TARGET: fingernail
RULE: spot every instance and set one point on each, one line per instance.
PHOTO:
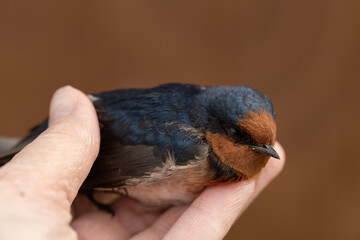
(63, 103)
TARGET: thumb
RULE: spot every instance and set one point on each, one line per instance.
(58, 161)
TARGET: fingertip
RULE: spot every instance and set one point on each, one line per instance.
(63, 103)
(272, 169)
(280, 150)
(276, 165)
(70, 106)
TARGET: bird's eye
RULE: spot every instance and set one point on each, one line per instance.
(242, 137)
(232, 131)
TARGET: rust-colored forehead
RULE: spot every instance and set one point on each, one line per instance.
(260, 125)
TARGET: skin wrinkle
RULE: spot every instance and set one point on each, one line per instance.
(241, 195)
(160, 225)
(190, 231)
(80, 139)
(71, 140)
(204, 210)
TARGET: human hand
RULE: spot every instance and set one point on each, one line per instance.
(40, 184)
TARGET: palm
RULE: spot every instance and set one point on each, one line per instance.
(131, 220)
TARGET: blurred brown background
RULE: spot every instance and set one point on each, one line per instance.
(303, 54)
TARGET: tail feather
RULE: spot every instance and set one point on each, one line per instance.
(5, 157)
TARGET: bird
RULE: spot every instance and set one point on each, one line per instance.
(164, 145)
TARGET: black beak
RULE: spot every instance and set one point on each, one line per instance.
(266, 149)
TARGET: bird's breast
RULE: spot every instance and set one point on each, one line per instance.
(181, 185)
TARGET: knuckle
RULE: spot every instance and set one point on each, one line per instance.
(57, 190)
(73, 133)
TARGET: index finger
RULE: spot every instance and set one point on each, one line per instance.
(212, 214)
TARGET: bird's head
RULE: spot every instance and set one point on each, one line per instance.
(241, 128)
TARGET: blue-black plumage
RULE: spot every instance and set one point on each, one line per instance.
(182, 134)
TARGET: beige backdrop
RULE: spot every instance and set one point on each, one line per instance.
(303, 54)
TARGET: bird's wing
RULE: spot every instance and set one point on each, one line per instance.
(141, 136)
(118, 165)
(122, 162)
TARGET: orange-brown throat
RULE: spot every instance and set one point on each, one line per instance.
(262, 128)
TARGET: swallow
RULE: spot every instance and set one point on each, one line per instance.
(164, 145)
